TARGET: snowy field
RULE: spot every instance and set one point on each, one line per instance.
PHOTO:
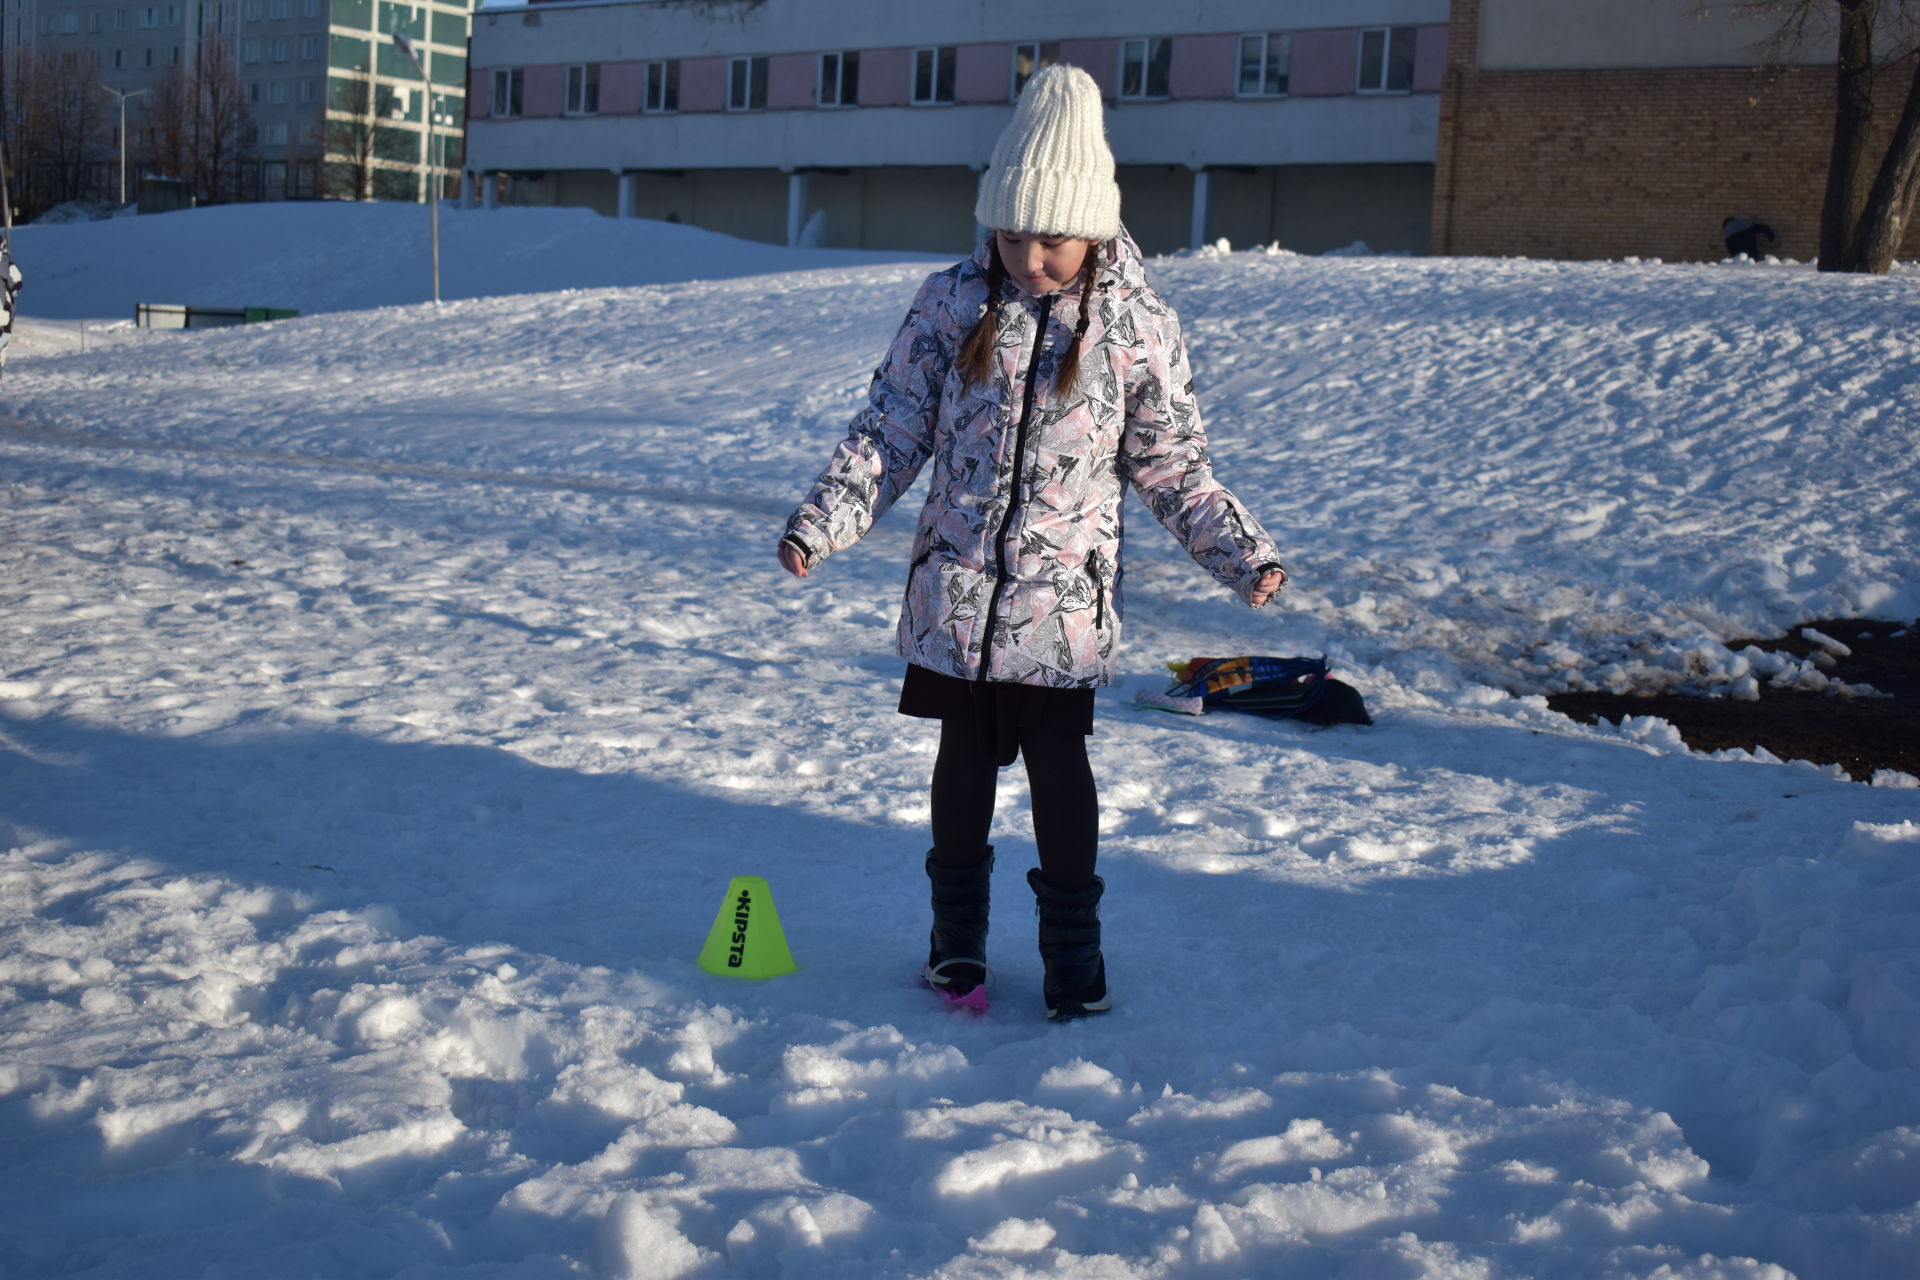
(388, 695)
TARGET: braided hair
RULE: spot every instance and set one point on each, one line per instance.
(975, 360)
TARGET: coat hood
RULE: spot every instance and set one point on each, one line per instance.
(1121, 263)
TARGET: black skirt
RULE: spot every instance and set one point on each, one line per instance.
(1000, 714)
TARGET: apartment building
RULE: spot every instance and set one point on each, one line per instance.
(331, 105)
(865, 123)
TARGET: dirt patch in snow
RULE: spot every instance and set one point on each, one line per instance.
(1860, 734)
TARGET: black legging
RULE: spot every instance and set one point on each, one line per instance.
(1066, 805)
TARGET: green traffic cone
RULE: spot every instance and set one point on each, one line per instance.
(746, 940)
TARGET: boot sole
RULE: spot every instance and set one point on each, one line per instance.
(975, 999)
(1070, 1009)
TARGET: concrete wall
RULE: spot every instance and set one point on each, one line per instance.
(1385, 129)
(1314, 208)
(1573, 35)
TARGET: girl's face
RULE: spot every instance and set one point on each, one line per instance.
(1041, 264)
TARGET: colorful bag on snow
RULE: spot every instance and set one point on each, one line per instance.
(1279, 688)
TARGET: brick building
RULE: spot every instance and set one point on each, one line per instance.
(865, 123)
(1569, 130)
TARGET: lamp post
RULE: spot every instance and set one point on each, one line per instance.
(406, 46)
(122, 97)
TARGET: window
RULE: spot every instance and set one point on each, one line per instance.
(663, 86)
(506, 92)
(932, 76)
(250, 51)
(253, 93)
(146, 57)
(69, 23)
(839, 79)
(309, 48)
(1264, 63)
(276, 135)
(119, 59)
(404, 19)
(1386, 60)
(255, 10)
(97, 21)
(1145, 66)
(1029, 58)
(278, 49)
(310, 8)
(279, 92)
(309, 91)
(583, 89)
(746, 84)
(281, 8)
(173, 15)
(122, 19)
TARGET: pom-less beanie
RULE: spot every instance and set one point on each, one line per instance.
(1052, 172)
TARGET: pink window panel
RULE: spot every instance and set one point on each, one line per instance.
(793, 81)
(982, 73)
(1324, 62)
(623, 86)
(883, 77)
(543, 91)
(1429, 59)
(1098, 58)
(1203, 66)
(703, 84)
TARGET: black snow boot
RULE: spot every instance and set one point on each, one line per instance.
(957, 946)
(1076, 983)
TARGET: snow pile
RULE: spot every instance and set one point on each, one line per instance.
(389, 696)
(345, 256)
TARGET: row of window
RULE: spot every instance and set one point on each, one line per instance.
(408, 19)
(258, 10)
(1385, 64)
(281, 92)
(142, 58)
(275, 135)
(150, 17)
(281, 49)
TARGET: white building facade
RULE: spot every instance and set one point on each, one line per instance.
(865, 123)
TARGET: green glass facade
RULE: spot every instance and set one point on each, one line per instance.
(376, 104)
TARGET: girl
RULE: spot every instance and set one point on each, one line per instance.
(1038, 376)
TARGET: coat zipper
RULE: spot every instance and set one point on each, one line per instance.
(1099, 592)
(1013, 491)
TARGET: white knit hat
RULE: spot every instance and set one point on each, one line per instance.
(1052, 173)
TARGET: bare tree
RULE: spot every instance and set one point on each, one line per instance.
(351, 116)
(23, 124)
(1869, 196)
(222, 123)
(64, 115)
(170, 117)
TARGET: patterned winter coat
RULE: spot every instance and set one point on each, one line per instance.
(1018, 547)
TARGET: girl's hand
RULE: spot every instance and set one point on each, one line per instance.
(1267, 588)
(792, 561)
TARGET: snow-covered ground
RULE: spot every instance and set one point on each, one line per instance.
(388, 695)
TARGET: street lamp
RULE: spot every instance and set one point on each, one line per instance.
(406, 46)
(122, 98)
